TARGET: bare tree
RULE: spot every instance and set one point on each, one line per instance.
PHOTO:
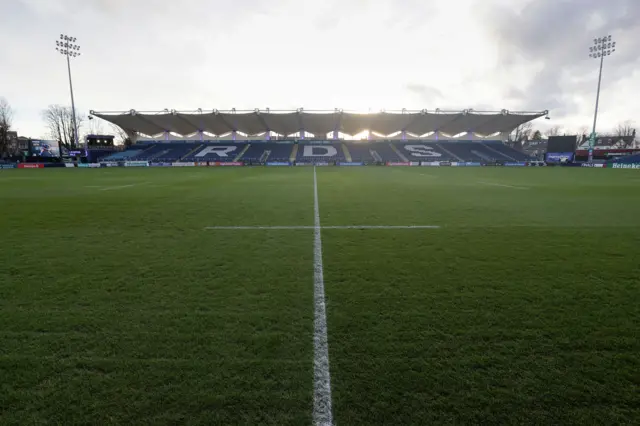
(552, 131)
(625, 129)
(95, 127)
(625, 134)
(59, 120)
(583, 134)
(522, 132)
(121, 135)
(6, 120)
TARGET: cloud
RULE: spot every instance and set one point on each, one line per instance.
(553, 37)
(426, 94)
(351, 54)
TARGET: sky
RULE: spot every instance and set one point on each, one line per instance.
(323, 54)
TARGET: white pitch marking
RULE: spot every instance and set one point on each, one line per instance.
(109, 188)
(258, 227)
(503, 185)
(248, 228)
(382, 227)
(321, 377)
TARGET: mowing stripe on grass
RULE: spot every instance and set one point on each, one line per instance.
(321, 376)
(503, 185)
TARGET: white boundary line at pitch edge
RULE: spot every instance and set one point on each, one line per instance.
(322, 415)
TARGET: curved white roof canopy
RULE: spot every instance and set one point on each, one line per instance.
(319, 123)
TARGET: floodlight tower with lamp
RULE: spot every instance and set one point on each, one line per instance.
(67, 46)
(602, 46)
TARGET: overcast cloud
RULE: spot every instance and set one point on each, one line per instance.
(322, 54)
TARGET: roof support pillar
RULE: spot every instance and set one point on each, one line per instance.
(338, 125)
(267, 133)
(403, 135)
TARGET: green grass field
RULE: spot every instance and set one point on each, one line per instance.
(117, 306)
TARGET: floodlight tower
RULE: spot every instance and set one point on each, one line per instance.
(602, 46)
(67, 47)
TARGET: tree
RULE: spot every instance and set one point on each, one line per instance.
(59, 120)
(6, 120)
(625, 129)
(583, 134)
(537, 135)
(552, 131)
(95, 127)
(522, 132)
(625, 134)
(121, 136)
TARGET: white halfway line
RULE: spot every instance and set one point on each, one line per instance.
(109, 188)
(503, 185)
(248, 228)
(117, 187)
(322, 415)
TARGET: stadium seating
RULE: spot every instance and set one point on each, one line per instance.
(507, 152)
(372, 152)
(468, 151)
(459, 151)
(628, 159)
(533, 149)
(308, 152)
(359, 151)
(124, 155)
(222, 152)
(165, 152)
(423, 151)
(260, 152)
(316, 152)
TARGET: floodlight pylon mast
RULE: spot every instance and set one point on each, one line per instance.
(67, 47)
(602, 46)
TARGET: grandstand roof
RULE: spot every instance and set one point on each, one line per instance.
(319, 122)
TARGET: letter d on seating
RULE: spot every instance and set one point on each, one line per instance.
(319, 151)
